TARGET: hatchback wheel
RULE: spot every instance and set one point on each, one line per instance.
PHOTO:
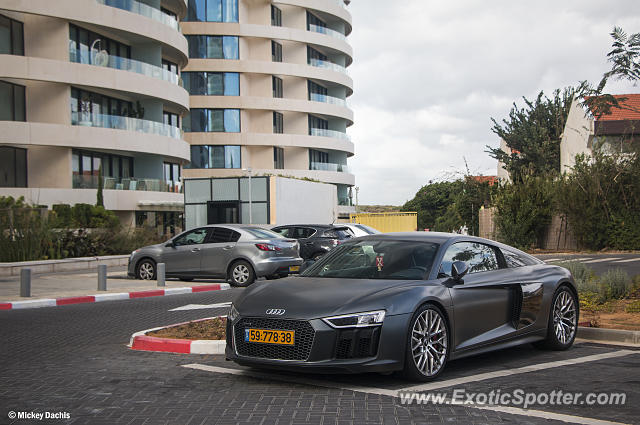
(146, 270)
(563, 321)
(241, 274)
(427, 348)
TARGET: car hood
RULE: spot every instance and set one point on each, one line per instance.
(312, 298)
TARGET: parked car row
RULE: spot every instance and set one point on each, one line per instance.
(240, 253)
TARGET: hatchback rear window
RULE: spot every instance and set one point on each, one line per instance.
(342, 233)
(260, 233)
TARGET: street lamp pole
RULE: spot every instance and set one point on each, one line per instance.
(250, 197)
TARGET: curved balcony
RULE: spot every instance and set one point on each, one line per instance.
(327, 31)
(316, 97)
(125, 64)
(322, 132)
(144, 10)
(125, 123)
(318, 63)
(82, 181)
(328, 166)
(336, 8)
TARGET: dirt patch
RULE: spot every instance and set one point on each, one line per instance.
(617, 314)
(204, 329)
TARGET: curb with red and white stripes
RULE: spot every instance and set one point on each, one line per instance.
(54, 302)
(140, 341)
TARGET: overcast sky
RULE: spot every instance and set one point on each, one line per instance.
(429, 75)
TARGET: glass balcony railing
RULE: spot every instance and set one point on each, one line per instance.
(316, 97)
(82, 181)
(329, 133)
(328, 166)
(327, 31)
(318, 63)
(125, 123)
(117, 62)
(144, 10)
(345, 202)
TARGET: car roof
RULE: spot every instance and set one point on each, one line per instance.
(317, 226)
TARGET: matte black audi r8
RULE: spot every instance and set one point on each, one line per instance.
(403, 301)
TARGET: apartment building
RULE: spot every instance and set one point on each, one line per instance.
(268, 85)
(89, 88)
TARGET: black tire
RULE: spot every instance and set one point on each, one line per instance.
(241, 274)
(146, 269)
(435, 344)
(186, 279)
(560, 341)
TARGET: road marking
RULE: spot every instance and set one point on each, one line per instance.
(549, 260)
(201, 306)
(602, 260)
(628, 260)
(394, 393)
(531, 368)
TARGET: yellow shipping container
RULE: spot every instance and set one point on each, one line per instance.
(388, 222)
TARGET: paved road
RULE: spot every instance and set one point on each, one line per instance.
(600, 263)
(74, 359)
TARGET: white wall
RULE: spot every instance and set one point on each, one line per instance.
(575, 137)
(299, 201)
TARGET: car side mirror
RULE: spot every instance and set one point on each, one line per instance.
(458, 270)
(170, 244)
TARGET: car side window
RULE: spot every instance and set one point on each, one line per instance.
(479, 257)
(514, 259)
(193, 237)
(222, 235)
(302, 232)
(284, 231)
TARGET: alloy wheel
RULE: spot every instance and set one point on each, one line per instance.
(240, 273)
(146, 271)
(429, 342)
(564, 317)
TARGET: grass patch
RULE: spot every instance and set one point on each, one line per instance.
(214, 329)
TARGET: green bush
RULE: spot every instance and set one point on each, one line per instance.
(82, 214)
(61, 216)
(583, 276)
(616, 284)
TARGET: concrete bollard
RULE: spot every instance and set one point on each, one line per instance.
(161, 275)
(102, 277)
(25, 282)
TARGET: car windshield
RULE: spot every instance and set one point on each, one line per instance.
(261, 233)
(367, 229)
(376, 259)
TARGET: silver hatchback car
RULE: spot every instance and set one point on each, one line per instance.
(238, 253)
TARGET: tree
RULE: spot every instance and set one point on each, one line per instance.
(100, 199)
(431, 202)
(533, 134)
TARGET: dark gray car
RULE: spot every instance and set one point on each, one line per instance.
(238, 253)
(315, 239)
(403, 301)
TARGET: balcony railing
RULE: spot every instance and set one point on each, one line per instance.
(125, 123)
(345, 202)
(82, 181)
(327, 31)
(144, 10)
(316, 97)
(318, 63)
(329, 133)
(117, 62)
(328, 166)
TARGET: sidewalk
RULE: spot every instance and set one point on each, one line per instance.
(62, 285)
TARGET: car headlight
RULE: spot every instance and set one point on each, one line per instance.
(233, 313)
(356, 320)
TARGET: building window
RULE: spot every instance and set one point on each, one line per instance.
(278, 158)
(12, 102)
(277, 86)
(171, 174)
(96, 108)
(81, 42)
(212, 120)
(317, 123)
(276, 51)
(208, 156)
(212, 11)
(169, 118)
(278, 123)
(11, 37)
(276, 16)
(85, 168)
(316, 91)
(314, 20)
(316, 157)
(213, 47)
(13, 167)
(212, 83)
(170, 67)
(314, 55)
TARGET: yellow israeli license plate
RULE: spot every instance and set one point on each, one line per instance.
(269, 336)
(294, 268)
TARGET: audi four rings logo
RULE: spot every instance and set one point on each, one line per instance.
(276, 311)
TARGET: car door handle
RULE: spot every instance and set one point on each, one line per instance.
(195, 249)
(228, 247)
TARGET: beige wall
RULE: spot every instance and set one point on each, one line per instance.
(577, 133)
(48, 102)
(46, 37)
(49, 167)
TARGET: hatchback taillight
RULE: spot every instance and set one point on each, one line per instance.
(267, 247)
(336, 242)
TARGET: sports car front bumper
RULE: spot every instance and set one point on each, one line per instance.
(320, 348)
